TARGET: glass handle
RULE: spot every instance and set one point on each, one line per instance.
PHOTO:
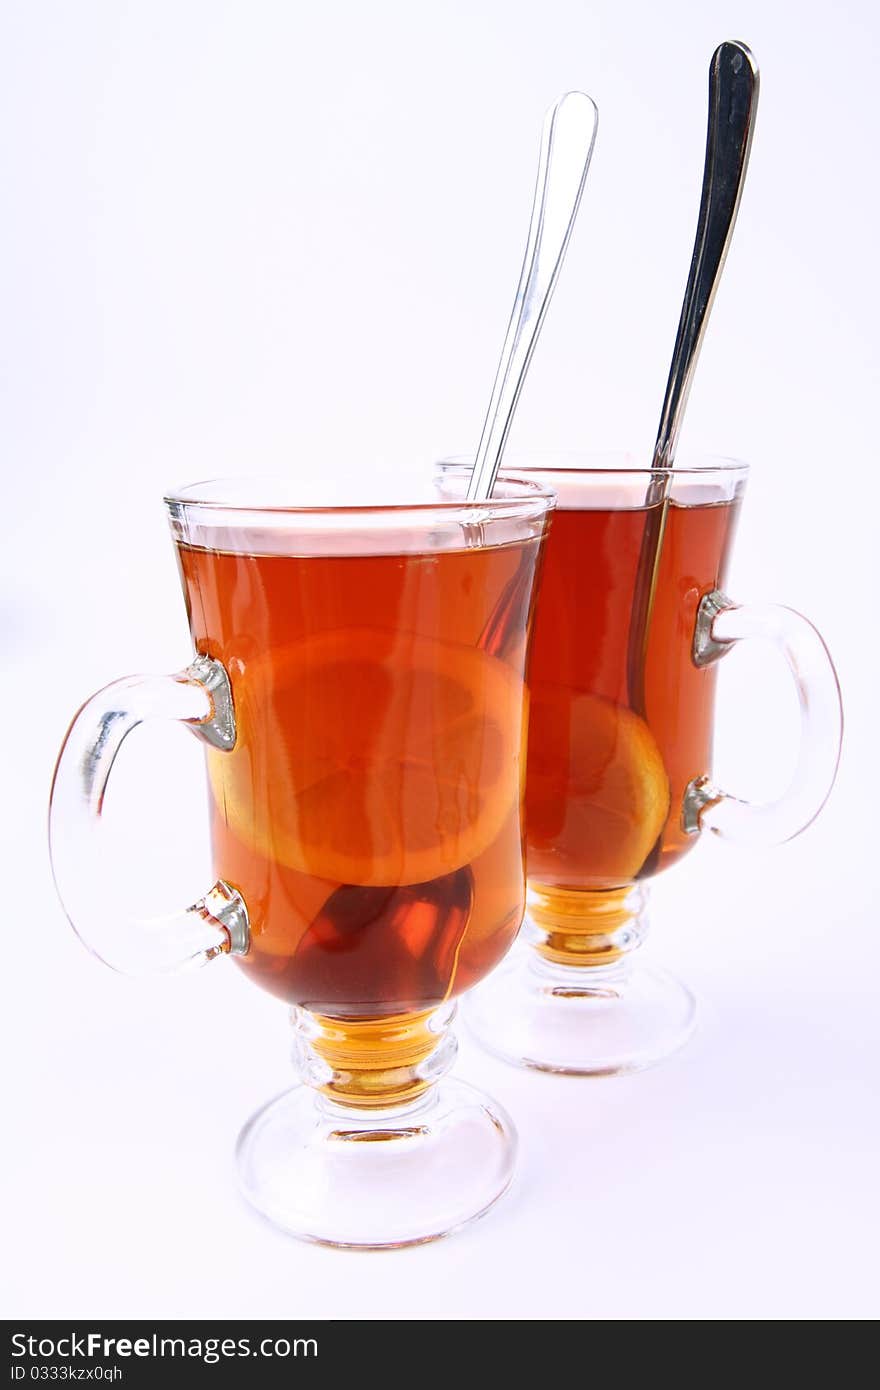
(721, 623)
(200, 697)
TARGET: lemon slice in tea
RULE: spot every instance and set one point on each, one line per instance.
(371, 757)
(598, 793)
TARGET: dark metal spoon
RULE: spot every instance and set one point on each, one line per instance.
(733, 100)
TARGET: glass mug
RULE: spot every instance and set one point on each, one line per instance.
(359, 685)
(619, 783)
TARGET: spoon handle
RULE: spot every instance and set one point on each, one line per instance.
(567, 140)
(733, 98)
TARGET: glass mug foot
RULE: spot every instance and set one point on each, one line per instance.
(375, 1176)
(378, 1180)
(572, 1000)
(581, 1021)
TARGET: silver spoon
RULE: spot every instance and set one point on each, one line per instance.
(567, 140)
(733, 100)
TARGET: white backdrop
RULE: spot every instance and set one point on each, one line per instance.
(267, 236)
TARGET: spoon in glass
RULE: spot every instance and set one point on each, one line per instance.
(566, 147)
(567, 140)
(733, 100)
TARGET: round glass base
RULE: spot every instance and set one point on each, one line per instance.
(582, 1021)
(376, 1179)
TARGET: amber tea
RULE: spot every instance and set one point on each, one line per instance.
(370, 811)
(606, 783)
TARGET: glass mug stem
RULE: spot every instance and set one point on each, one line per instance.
(374, 1064)
(595, 929)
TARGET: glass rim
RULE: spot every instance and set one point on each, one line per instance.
(616, 462)
(527, 494)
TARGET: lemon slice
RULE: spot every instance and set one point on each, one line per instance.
(597, 792)
(372, 757)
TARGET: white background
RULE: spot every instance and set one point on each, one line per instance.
(276, 237)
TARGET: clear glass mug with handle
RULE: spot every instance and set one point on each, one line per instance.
(365, 749)
(619, 782)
